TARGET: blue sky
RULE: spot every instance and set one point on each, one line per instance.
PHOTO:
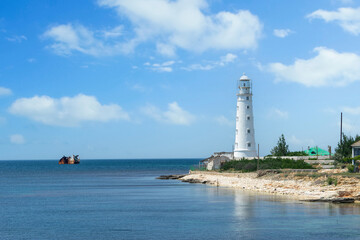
(157, 78)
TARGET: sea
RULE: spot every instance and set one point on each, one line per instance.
(122, 199)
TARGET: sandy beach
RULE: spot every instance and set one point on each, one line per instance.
(302, 186)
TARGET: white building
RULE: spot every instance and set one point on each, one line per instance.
(356, 149)
(245, 133)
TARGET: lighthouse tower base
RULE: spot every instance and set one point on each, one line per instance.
(244, 154)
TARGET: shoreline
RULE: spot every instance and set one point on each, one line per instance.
(312, 187)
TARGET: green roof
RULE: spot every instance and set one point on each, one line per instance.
(314, 151)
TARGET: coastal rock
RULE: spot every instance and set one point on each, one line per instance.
(167, 177)
(303, 186)
(194, 180)
(332, 200)
(344, 193)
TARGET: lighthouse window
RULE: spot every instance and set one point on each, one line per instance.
(249, 144)
(248, 117)
(247, 98)
(248, 107)
(248, 131)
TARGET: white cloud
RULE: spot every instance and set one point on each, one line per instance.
(330, 110)
(5, 91)
(228, 58)
(66, 111)
(17, 139)
(18, 39)
(174, 114)
(165, 49)
(344, 1)
(294, 140)
(351, 126)
(281, 33)
(352, 110)
(161, 67)
(278, 114)
(183, 24)
(347, 18)
(169, 24)
(328, 67)
(197, 66)
(69, 38)
(222, 120)
(298, 143)
(140, 88)
(114, 32)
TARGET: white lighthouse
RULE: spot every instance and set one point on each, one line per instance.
(245, 133)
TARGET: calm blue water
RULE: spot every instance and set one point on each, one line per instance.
(121, 199)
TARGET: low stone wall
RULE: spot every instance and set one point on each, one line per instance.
(237, 174)
(320, 161)
(319, 158)
(214, 162)
(215, 173)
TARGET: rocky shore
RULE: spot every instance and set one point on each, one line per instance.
(324, 185)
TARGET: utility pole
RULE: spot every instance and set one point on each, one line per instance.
(258, 157)
(341, 146)
(341, 129)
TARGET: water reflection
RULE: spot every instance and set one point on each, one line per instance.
(259, 216)
(246, 202)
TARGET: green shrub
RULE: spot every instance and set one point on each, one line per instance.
(315, 175)
(241, 165)
(196, 168)
(297, 154)
(344, 160)
(350, 168)
(267, 163)
(331, 181)
(281, 149)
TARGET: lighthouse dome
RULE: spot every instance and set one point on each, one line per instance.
(244, 77)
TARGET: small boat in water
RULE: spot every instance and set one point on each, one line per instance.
(70, 160)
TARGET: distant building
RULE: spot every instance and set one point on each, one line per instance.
(316, 151)
(355, 149)
(245, 132)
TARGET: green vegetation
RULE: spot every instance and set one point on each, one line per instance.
(267, 163)
(350, 168)
(343, 149)
(315, 175)
(296, 154)
(348, 175)
(344, 160)
(331, 181)
(196, 168)
(281, 149)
